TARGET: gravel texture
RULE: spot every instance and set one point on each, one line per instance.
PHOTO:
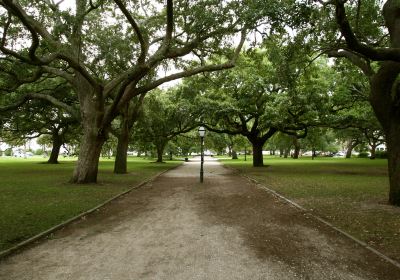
(177, 228)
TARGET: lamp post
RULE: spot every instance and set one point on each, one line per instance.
(202, 132)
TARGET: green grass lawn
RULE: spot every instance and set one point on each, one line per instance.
(36, 196)
(350, 193)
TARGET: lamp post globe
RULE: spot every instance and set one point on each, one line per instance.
(202, 131)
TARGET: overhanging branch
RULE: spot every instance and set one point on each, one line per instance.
(379, 54)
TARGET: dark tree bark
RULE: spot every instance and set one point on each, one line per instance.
(55, 150)
(95, 134)
(160, 151)
(287, 152)
(281, 151)
(87, 166)
(234, 154)
(349, 151)
(258, 159)
(383, 85)
(129, 116)
(351, 144)
(393, 148)
(121, 157)
(297, 147)
(372, 150)
(229, 150)
(314, 154)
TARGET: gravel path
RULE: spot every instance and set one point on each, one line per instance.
(177, 228)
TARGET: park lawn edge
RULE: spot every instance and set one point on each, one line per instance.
(310, 214)
(40, 236)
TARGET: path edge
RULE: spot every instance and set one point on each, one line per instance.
(20, 246)
(309, 213)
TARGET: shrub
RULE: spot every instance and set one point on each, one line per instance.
(8, 152)
(39, 152)
(363, 155)
(381, 154)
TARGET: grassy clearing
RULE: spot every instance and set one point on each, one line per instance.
(350, 193)
(36, 196)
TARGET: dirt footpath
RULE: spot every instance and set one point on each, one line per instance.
(176, 228)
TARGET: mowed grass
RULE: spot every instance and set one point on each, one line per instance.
(352, 194)
(35, 196)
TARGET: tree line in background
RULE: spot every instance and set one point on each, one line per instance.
(279, 76)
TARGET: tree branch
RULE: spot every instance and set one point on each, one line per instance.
(355, 59)
(59, 73)
(143, 43)
(379, 54)
(55, 102)
(170, 22)
(194, 71)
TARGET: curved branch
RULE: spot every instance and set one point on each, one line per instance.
(355, 59)
(15, 105)
(55, 102)
(379, 54)
(269, 134)
(197, 70)
(60, 73)
(143, 43)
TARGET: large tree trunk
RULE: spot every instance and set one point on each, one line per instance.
(55, 150)
(257, 154)
(95, 133)
(383, 88)
(129, 116)
(160, 151)
(121, 157)
(258, 143)
(393, 148)
(88, 161)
